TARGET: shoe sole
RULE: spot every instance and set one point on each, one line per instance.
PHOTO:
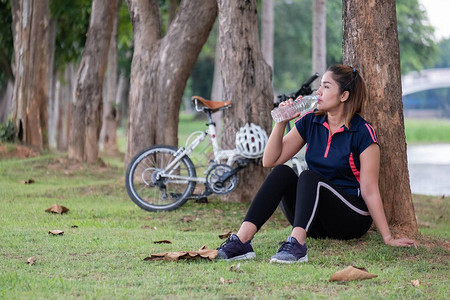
(300, 260)
(249, 255)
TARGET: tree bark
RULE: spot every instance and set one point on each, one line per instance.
(173, 5)
(30, 97)
(319, 47)
(161, 67)
(247, 84)
(111, 114)
(87, 106)
(51, 85)
(371, 45)
(63, 106)
(217, 90)
(121, 97)
(267, 31)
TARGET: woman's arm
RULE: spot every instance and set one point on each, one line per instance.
(280, 148)
(370, 166)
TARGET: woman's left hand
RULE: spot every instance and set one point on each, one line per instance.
(403, 242)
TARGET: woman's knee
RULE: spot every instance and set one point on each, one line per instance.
(283, 170)
(308, 176)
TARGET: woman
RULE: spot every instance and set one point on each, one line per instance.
(338, 197)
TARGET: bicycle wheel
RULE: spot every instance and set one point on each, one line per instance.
(155, 192)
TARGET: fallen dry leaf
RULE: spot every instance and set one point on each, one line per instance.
(415, 282)
(162, 242)
(31, 260)
(28, 181)
(224, 281)
(203, 253)
(187, 219)
(56, 232)
(225, 235)
(57, 209)
(237, 269)
(352, 273)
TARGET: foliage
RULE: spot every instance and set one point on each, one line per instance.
(7, 131)
(100, 255)
(6, 40)
(72, 24)
(416, 37)
(201, 79)
(124, 40)
(444, 49)
(292, 53)
(293, 44)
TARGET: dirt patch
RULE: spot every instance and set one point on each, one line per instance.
(69, 165)
(430, 243)
(17, 151)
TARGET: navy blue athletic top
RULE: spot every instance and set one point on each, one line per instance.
(336, 156)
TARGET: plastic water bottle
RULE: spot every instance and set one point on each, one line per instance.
(302, 105)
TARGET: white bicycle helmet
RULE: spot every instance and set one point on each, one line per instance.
(251, 141)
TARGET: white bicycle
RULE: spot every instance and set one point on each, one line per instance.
(163, 178)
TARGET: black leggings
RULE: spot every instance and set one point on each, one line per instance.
(318, 206)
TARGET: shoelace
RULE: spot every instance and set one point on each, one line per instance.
(224, 243)
(286, 246)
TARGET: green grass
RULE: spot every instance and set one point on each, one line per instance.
(427, 130)
(102, 257)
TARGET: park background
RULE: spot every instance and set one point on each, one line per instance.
(100, 255)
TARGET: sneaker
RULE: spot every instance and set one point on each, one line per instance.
(234, 249)
(291, 251)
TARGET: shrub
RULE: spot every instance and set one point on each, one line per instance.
(8, 131)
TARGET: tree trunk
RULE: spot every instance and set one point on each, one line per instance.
(267, 31)
(371, 45)
(6, 93)
(121, 98)
(64, 95)
(51, 84)
(111, 115)
(30, 95)
(217, 90)
(87, 108)
(247, 84)
(161, 67)
(173, 5)
(319, 47)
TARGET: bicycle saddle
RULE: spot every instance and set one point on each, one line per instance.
(212, 105)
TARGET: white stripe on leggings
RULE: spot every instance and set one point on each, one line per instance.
(320, 184)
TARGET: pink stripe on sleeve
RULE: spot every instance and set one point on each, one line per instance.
(372, 133)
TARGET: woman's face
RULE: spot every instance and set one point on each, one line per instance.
(329, 95)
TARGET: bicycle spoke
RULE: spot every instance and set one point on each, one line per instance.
(152, 189)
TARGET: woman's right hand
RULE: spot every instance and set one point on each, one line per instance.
(290, 101)
(402, 242)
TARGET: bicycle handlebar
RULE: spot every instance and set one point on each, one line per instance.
(305, 89)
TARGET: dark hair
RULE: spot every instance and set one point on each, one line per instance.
(349, 80)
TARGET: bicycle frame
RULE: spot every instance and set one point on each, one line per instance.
(219, 154)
